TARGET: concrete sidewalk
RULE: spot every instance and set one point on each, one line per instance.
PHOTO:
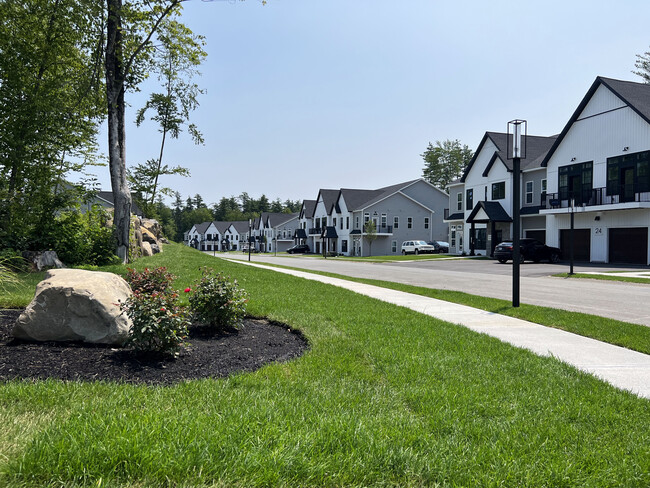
(623, 368)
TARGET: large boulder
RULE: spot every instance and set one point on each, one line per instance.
(76, 305)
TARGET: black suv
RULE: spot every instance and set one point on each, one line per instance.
(298, 249)
(530, 250)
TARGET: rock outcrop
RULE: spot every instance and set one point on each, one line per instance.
(76, 305)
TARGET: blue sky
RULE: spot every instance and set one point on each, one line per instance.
(309, 94)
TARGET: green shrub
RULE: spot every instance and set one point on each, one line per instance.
(82, 238)
(159, 323)
(150, 280)
(218, 301)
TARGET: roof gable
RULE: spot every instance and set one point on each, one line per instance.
(634, 95)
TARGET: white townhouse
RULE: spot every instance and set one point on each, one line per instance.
(305, 223)
(196, 236)
(481, 204)
(275, 228)
(404, 211)
(601, 163)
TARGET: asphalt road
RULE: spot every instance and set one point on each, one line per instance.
(623, 301)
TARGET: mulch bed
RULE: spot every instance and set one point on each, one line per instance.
(257, 343)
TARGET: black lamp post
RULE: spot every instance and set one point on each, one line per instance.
(250, 223)
(275, 246)
(517, 153)
(572, 210)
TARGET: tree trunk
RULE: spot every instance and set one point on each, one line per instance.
(116, 131)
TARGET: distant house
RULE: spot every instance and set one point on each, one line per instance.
(106, 200)
(599, 169)
(409, 210)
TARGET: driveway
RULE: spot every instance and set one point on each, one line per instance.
(617, 300)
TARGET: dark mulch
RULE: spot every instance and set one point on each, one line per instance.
(257, 343)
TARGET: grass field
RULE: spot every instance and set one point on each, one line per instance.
(612, 276)
(384, 397)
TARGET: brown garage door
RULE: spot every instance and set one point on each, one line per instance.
(581, 244)
(629, 245)
(540, 235)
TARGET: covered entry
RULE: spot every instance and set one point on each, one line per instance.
(581, 244)
(490, 213)
(628, 245)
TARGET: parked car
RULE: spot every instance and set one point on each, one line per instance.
(244, 248)
(298, 249)
(441, 246)
(530, 250)
(417, 247)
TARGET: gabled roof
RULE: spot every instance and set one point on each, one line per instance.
(107, 196)
(307, 210)
(356, 199)
(241, 226)
(202, 227)
(634, 95)
(273, 219)
(329, 199)
(536, 149)
(488, 212)
(222, 226)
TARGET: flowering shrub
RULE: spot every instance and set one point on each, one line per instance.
(150, 280)
(218, 301)
(159, 324)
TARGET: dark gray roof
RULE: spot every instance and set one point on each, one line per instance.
(329, 232)
(241, 226)
(536, 149)
(635, 95)
(300, 234)
(356, 199)
(221, 226)
(456, 216)
(329, 199)
(495, 212)
(202, 227)
(274, 219)
(308, 207)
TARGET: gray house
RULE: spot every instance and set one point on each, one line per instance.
(405, 211)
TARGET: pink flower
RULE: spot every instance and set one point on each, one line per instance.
(162, 309)
(187, 290)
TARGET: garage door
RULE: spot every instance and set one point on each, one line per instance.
(628, 245)
(540, 235)
(581, 244)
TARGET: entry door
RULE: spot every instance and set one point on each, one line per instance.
(627, 182)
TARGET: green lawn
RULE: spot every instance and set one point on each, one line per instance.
(624, 334)
(384, 397)
(608, 277)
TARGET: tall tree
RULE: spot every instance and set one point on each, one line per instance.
(176, 57)
(445, 162)
(50, 104)
(129, 32)
(643, 66)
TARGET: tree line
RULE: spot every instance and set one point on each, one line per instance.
(183, 213)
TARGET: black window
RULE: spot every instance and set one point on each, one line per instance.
(575, 181)
(469, 201)
(499, 190)
(628, 175)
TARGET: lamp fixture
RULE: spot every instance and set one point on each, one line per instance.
(626, 148)
(573, 159)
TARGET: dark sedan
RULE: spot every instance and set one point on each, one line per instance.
(298, 249)
(530, 250)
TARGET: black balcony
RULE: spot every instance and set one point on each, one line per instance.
(315, 231)
(594, 197)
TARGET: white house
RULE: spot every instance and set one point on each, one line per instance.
(601, 163)
(481, 203)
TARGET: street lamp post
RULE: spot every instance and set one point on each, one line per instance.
(275, 246)
(250, 223)
(517, 154)
(572, 210)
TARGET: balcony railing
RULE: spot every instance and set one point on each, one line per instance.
(315, 231)
(594, 197)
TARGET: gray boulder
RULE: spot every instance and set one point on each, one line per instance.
(76, 305)
(146, 249)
